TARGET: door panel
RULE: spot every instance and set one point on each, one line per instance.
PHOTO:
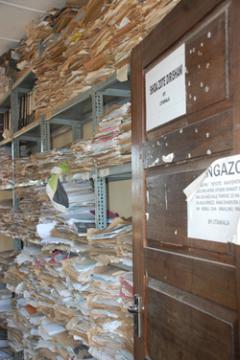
(190, 287)
(189, 328)
(209, 136)
(194, 275)
(206, 55)
(166, 208)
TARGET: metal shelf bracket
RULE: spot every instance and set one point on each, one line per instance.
(45, 135)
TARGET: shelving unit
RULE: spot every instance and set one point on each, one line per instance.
(86, 107)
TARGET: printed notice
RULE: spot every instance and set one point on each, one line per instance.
(213, 202)
(166, 89)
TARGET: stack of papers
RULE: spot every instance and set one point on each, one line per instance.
(66, 303)
(6, 170)
(38, 166)
(111, 337)
(112, 245)
(6, 354)
(6, 259)
(69, 301)
(6, 307)
(112, 142)
(5, 81)
(72, 50)
(51, 289)
(5, 301)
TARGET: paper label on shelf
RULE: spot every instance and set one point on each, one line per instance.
(213, 202)
(166, 89)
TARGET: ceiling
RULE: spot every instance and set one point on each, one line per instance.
(15, 15)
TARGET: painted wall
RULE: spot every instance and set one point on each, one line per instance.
(119, 197)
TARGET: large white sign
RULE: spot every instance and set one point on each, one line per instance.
(166, 89)
(213, 202)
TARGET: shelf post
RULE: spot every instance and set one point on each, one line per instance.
(15, 155)
(15, 201)
(14, 111)
(45, 135)
(97, 108)
(101, 202)
(15, 149)
(100, 182)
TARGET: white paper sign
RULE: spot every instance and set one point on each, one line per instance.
(166, 89)
(213, 202)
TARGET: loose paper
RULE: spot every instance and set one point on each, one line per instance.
(213, 202)
(166, 89)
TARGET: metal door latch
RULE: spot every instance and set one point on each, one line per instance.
(136, 309)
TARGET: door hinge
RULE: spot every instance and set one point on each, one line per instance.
(136, 309)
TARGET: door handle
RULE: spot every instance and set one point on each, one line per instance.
(133, 309)
(136, 310)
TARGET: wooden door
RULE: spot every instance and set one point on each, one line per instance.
(189, 286)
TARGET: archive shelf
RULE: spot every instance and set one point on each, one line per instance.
(85, 107)
(22, 85)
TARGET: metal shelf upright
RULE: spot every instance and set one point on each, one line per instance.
(109, 89)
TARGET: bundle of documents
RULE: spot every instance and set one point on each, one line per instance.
(7, 225)
(5, 301)
(112, 245)
(68, 230)
(26, 215)
(66, 303)
(112, 143)
(5, 82)
(6, 305)
(38, 35)
(48, 286)
(111, 337)
(6, 259)
(6, 171)
(85, 44)
(67, 300)
(38, 166)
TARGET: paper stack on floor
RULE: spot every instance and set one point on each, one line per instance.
(48, 300)
(111, 334)
(71, 298)
(63, 295)
(6, 306)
